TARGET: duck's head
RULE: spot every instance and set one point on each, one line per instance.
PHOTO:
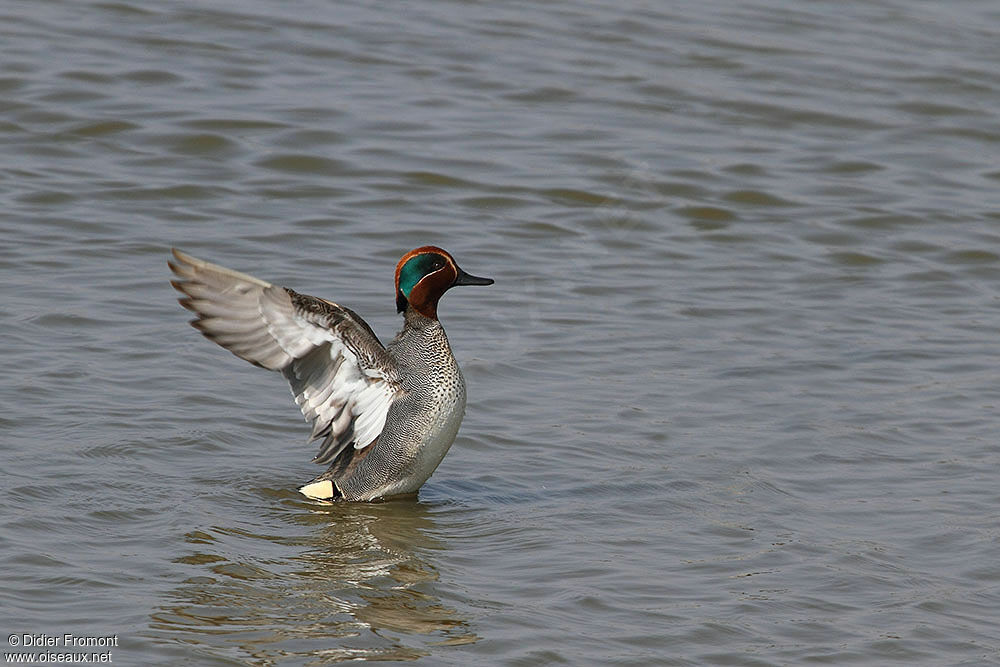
(424, 275)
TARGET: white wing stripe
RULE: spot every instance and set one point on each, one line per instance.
(372, 406)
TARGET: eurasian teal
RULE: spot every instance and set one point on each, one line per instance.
(386, 415)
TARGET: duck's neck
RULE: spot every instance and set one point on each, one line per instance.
(421, 342)
(415, 320)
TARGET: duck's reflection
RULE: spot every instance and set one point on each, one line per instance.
(355, 583)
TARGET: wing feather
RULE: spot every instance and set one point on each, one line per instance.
(342, 378)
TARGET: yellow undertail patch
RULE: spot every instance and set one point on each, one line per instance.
(318, 490)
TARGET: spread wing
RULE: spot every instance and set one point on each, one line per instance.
(341, 376)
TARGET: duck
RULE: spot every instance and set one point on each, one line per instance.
(385, 416)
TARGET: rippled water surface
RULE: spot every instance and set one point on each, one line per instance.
(733, 398)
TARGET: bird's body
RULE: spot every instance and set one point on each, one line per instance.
(421, 423)
(386, 415)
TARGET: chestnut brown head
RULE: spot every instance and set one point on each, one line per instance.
(424, 275)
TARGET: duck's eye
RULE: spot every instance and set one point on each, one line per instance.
(437, 264)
